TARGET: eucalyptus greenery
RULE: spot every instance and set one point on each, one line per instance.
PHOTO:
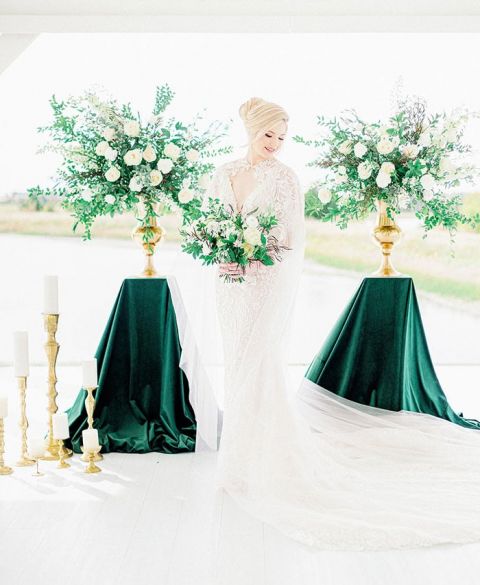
(413, 161)
(113, 162)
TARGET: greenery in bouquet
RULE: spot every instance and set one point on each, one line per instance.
(412, 161)
(113, 162)
(217, 234)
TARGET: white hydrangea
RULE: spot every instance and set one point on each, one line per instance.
(112, 174)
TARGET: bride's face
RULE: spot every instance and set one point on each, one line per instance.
(270, 142)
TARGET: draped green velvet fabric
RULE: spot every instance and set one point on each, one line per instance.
(377, 353)
(142, 400)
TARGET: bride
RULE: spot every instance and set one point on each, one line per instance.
(324, 470)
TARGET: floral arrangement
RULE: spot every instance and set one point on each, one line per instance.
(412, 162)
(112, 162)
(218, 234)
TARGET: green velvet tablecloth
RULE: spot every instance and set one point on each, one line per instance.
(142, 400)
(377, 353)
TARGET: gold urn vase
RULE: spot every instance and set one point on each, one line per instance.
(148, 236)
(385, 234)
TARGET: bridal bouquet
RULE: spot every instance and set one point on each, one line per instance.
(411, 161)
(220, 235)
(112, 161)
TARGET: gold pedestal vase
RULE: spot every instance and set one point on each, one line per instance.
(385, 234)
(148, 236)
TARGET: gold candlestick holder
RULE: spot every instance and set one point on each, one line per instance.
(90, 408)
(4, 469)
(62, 455)
(37, 473)
(24, 460)
(52, 347)
(92, 457)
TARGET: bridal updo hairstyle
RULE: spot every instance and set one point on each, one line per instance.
(259, 116)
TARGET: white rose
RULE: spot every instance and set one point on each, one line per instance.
(360, 150)
(340, 178)
(192, 155)
(425, 139)
(109, 134)
(364, 170)
(172, 151)
(102, 148)
(86, 194)
(185, 195)
(204, 181)
(410, 150)
(325, 195)
(111, 154)
(149, 153)
(345, 147)
(383, 180)
(427, 181)
(110, 199)
(134, 184)
(133, 157)
(112, 174)
(388, 168)
(252, 236)
(131, 128)
(252, 221)
(155, 178)
(165, 165)
(385, 146)
(427, 194)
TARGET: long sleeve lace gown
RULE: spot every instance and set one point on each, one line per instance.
(324, 470)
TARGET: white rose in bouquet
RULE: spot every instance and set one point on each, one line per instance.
(111, 154)
(252, 221)
(172, 151)
(427, 181)
(165, 165)
(112, 174)
(383, 180)
(204, 181)
(110, 199)
(185, 195)
(109, 134)
(427, 194)
(364, 170)
(131, 128)
(385, 146)
(360, 150)
(325, 195)
(133, 157)
(212, 227)
(425, 139)
(149, 153)
(135, 185)
(192, 155)
(345, 147)
(86, 194)
(102, 148)
(252, 236)
(410, 150)
(388, 168)
(155, 178)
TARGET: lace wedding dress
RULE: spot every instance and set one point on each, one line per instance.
(322, 469)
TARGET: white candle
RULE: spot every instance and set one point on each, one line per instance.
(60, 426)
(89, 369)
(20, 353)
(90, 440)
(50, 295)
(3, 406)
(36, 448)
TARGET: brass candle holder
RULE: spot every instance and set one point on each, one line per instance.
(90, 408)
(24, 460)
(52, 347)
(92, 455)
(4, 469)
(62, 455)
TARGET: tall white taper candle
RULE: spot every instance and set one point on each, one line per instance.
(20, 354)
(50, 295)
